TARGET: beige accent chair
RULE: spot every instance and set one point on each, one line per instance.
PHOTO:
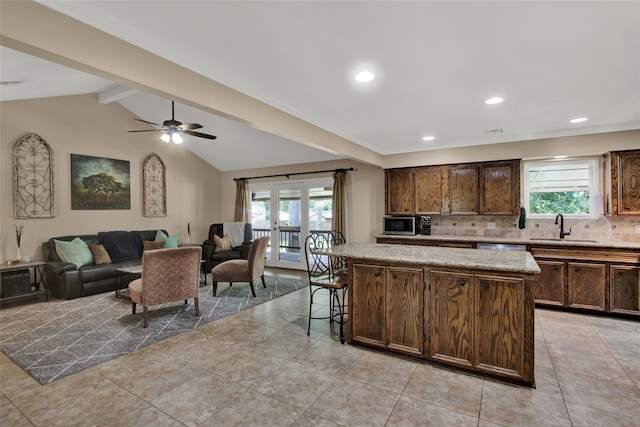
(241, 270)
(167, 275)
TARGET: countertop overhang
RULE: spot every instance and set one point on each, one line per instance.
(502, 261)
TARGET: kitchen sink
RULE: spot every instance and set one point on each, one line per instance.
(556, 239)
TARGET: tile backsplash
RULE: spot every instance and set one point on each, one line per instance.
(604, 228)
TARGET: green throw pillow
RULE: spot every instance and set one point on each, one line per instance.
(76, 252)
(169, 242)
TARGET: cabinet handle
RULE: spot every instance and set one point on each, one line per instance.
(461, 283)
(577, 269)
(485, 285)
(376, 275)
(395, 276)
(626, 207)
(488, 210)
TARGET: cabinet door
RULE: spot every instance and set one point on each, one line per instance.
(548, 286)
(463, 190)
(428, 181)
(451, 318)
(500, 188)
(366, 305)
(400, 191)
(625, 183)
(586, 285)
(404, 304)
(625, 289)
(504, 327)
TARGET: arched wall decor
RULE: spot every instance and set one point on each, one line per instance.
(154, 190)
(33, 178)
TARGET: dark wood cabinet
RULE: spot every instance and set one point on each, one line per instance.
(400, 191)
(500, 188)
(625, 182)
(451, 318)
(501, 348)
(586, 285)
(366, 305)
(463, 189)
(404, 304)
(491, 188)
(475, 320)
(549, 285)
(625, 289)
(428, 190)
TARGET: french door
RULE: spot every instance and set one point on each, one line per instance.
(286, 212)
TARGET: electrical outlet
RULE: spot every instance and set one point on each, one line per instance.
(638, 228)
(492, 225)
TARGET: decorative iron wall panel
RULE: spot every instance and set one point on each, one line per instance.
(154, 187)
(33, 178)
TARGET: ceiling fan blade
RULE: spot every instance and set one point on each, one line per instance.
(144, 121)
(199, 134)
(146, 130)
(190, 126)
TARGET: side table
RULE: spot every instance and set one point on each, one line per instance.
(38, 275)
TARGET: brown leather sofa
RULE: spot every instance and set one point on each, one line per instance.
(66, 281)
(213, 258)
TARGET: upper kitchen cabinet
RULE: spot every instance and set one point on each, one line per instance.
(428, 185)
(625, 183)
(500, 188)
(400, 191)
(463, 189)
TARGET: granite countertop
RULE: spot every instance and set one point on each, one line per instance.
(506, 261)
(520, 241)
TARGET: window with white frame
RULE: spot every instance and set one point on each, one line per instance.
(560, 186)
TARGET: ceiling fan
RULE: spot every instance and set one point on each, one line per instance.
(172, 129)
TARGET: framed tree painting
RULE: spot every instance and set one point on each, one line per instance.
(98, 183)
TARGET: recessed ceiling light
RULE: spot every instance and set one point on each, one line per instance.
(579, 120)
(494, 100)
(365, 76)
(428, 138)
(559, 157)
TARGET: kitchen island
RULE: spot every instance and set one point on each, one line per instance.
(464, 308)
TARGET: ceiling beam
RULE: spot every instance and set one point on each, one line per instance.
(115, 92)
(35, 29)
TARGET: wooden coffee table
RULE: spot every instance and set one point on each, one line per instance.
(123, 271)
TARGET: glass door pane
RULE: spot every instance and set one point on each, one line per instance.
(261, 216)
(290, 220)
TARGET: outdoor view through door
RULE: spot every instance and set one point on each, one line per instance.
(287, 212)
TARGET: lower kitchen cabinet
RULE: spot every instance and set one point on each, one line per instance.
(451, 318)
(549, 285)
(625, 289)
(404, 304)
(586, 285)
(386, 296)
(366, 304)
(504, 337)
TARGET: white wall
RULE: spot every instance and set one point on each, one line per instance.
(80, 125)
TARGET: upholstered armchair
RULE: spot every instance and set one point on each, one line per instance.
(240, 270)
(167, 275)
(241, 235)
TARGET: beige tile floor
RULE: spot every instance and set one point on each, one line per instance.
(258, 367)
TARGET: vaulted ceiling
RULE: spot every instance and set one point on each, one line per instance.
(435, 64)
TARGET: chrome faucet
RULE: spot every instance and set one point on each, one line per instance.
(562, 232)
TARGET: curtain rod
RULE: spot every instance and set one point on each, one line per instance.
(292, 174)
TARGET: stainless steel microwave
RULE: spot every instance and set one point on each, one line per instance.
(407, 225)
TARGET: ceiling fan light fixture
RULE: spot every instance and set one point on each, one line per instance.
(176, 138)
(166, 137)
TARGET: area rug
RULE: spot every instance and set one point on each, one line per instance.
(51, 340)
